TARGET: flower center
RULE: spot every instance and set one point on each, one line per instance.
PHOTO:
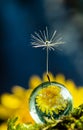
(49, 100)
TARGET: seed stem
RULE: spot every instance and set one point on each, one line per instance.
(47, 62)
(47, 59)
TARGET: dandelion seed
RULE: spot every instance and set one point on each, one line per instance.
(42, 40)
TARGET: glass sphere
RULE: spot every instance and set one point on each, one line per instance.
(48, 101)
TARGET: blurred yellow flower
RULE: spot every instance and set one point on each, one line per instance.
(16, 103)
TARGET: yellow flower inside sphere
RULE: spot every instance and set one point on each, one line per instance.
(49, 100)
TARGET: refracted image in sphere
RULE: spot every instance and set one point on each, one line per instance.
(49, 100)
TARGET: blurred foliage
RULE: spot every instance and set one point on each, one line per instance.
(73, 121)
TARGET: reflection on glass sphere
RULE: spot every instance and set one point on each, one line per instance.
(49, 100)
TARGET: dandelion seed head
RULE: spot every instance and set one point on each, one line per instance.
(42, 40)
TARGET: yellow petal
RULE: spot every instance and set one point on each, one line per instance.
(10, 101)
(18, 91)
(23, 113)
(60, 79)
(4, 112)
(79, 97)
(34, 81)
(3, 126)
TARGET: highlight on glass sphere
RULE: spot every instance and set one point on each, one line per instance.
(50, 100)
